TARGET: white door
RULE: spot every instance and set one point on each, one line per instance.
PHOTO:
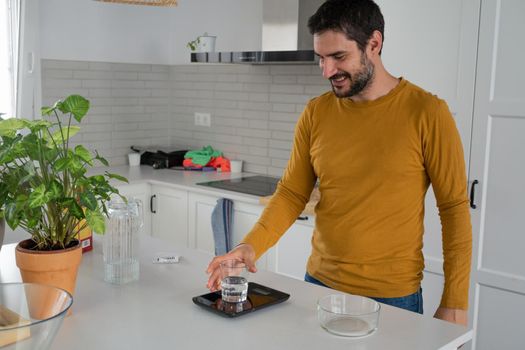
(169, 214)
(498, 163)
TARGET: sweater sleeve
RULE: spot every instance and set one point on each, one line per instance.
(291, 195)
(445, 166)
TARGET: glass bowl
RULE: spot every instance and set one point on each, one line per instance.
(348, 315)
(31, 314)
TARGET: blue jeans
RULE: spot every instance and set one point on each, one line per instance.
(412, 302)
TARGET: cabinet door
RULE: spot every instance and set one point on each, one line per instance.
(201, 234)
(498, 163)
(200, 208)
(169, 214)
(244, 217)
(294, 249)
(142, 192)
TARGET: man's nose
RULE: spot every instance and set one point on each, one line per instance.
(328, 68)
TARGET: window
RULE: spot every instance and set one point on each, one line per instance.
(9, 24)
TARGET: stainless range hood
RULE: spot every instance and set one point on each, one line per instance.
(285, 36)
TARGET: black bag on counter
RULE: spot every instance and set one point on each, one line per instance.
(160, 159)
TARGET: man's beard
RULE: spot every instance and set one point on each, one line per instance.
(359, 81)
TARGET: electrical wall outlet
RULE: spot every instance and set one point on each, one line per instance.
(202, 119)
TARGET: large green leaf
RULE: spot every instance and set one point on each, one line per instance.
(77, 105)
(9, 127)
(96, 221)
(84, 154)
(47, 110)
(76, 166)
(88, 200)
(55, 190)
(29, 169)
(101, 159)
(72, 206)
(97, 180)
(61, 134)
(62, 164)
(116, 176)
(38, 197)
(11, 215)
(37, 125)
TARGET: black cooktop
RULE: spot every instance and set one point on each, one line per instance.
(258, 185)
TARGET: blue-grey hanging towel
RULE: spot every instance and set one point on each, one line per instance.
(221, 224)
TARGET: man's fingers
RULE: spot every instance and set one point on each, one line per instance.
(214, 280)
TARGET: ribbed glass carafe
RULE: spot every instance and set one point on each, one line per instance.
(121, 241)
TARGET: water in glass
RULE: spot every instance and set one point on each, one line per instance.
(234, 289)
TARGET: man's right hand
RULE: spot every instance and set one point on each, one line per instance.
(243, 252)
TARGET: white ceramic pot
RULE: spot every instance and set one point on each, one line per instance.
(206, 43)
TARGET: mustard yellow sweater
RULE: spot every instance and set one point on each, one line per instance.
(375, 161)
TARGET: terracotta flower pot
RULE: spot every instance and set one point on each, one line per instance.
(56, 268)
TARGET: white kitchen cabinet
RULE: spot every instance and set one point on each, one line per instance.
(294, 248)
(169, 214)
(245, 215)
(200, 208)
(288, 257)
(139, 191)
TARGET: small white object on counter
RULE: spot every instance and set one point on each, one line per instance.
(134, 159)
(236, 166)
(166, 258)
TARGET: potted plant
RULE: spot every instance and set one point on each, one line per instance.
(45, 189)
(203, 43)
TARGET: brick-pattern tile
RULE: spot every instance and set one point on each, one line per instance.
(253, 108)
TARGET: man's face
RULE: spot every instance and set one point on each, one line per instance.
(348, 68)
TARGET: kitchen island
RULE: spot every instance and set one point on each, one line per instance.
(157, 312)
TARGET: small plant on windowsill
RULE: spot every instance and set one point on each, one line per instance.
(192, 45)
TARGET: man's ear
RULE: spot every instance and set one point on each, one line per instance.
(375, 43)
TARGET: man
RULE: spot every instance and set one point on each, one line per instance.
(375, 143)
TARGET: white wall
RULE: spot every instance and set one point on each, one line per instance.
(87, 30)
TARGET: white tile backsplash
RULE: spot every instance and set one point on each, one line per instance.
(253, 108)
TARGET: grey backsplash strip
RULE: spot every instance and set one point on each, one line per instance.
(253, 108)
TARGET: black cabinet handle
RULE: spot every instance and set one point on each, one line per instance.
(302, 218)
(472, 192)
(151, 204)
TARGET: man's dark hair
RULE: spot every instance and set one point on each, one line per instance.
(357, 19)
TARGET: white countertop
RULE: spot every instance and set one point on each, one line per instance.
(157, 312)
(182, 179)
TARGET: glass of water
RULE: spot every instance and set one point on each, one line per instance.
(234, 281)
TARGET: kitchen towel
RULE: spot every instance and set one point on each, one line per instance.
(221, 222)
(202, 156)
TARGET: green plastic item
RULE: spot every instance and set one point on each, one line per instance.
(202, 156)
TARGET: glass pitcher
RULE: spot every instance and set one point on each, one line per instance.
(121, 241)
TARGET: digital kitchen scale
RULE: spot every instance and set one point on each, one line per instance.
(258, 298)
